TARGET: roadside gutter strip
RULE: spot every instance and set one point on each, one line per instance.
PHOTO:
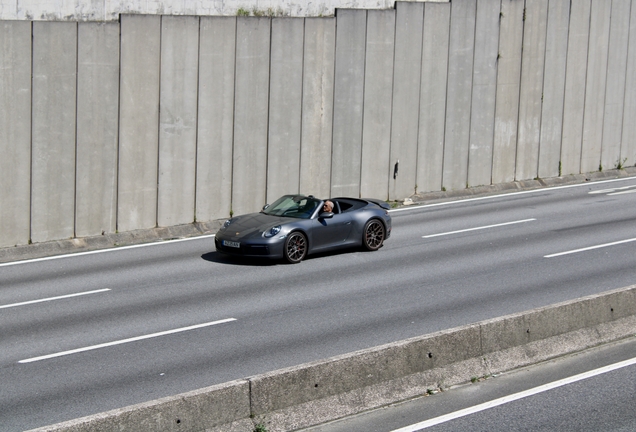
(321, 391)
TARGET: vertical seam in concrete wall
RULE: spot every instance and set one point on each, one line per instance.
(269, 107)
(159, 126)
(76, 125)
(450, 26)
(567, 50)
(494, 117)
(609, 43)
(472, 82)
(233, 116)
(333, 98)
(547, 25)
(117, 150)
(419, 98)
(196, 126)
(629, 26)
(302, 97)
(587, 60)
(364, 82)
(31, 147)
(523, 36)
(389, 168)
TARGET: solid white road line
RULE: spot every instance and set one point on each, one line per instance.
(119, 248)
(514, 397)
(589, 248)
(478, 228)
(53, 298)
(124, 341)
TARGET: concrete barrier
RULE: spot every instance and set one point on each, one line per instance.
(309, 394)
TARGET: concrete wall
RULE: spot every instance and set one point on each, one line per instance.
(161, 120)
(313, 393)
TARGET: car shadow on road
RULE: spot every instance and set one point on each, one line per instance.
(239, 261)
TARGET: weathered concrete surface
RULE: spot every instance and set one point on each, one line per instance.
(15, 132)
(285, 103)
(459, 93)
(378, 86)
(595, 86)
(216, 118)
(554, 88)
(221, 408)
(508, 83)
(251, 99)
(97, 125)
(615, 90)
(53, 131)
(628, 143)
(317, 106)
(531, 88)
(348, 102)
(138, 122)
(430, 152)
(178, 119)
(482, 121)
(409, 21)
(575, 79)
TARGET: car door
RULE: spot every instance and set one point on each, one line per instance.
(330, 232)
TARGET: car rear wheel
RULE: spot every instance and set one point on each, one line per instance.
(295, 247)
(373, 236)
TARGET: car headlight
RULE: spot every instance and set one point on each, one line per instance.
(226, 223)
(272, 231)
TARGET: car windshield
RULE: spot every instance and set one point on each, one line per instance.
(295, 206)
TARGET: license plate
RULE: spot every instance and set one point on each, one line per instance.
(231, 244)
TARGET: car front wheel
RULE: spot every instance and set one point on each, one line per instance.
(295, 247)
(373, 235)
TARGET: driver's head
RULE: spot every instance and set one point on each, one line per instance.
(327, 206)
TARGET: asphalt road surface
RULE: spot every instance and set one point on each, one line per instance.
(87, 333)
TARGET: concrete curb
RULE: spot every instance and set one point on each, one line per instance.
(106, 241)
(317, 392)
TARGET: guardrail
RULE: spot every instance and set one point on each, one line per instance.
(313, 393)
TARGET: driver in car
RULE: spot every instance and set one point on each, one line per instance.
(327, 206)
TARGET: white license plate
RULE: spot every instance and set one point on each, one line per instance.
(231, 244)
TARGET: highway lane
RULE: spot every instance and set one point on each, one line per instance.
(588, 391)
(275, 315)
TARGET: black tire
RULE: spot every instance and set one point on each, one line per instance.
(373, 235)
(295, 247)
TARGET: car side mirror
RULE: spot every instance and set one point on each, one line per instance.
(265, 206)
(325, 215)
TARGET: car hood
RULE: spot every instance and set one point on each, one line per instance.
(253, 224)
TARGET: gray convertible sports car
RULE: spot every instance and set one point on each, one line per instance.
(295, 226)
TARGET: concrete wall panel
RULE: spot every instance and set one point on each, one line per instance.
(553, 87)
(530, 103)
(348, 101)
(459, 96)
(215, 118)
(615, 91)
(406, 97)
(138, 122)
(178, 119)
(595, 86)
(97, 125)
(628, 143)
(285, 102)
(482, 121)
(508, 84)
(378, 86)
(15, 132)
(574, 100)
(53, 133)
(251, 114)
(317, 106)
(430, 152)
